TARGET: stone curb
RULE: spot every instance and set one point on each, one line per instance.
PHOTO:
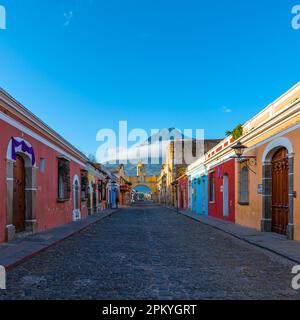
(9, 263)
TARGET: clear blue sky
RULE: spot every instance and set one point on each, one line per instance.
(82, 65)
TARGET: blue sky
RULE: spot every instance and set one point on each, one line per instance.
(83, 65)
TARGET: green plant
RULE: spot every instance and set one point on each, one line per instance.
(236, 133)
(180, 171)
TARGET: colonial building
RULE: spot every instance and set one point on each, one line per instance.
(212, 182)
(268, 172)
(197, 181)
(40, 173)
(124, 186)
(143, 180)
(46, 181)
(198, 187)
(173, 168)
(96, 180)
(183, 192)
(252, 179)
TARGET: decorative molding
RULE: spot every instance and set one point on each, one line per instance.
(275, 144)
(37, 137)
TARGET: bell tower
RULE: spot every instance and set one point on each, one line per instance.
(141, 170)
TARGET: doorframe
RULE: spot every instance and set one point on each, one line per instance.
(271, 149)
(227, 192)
(30, 191)
(76, 211)
(203, 195)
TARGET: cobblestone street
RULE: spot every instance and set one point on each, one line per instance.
(149, 252)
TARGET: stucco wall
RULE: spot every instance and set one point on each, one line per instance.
(215, 209)
(251, 215)
(49, 212)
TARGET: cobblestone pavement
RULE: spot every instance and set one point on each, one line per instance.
(149, 252)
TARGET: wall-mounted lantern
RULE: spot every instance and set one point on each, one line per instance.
(239, 150)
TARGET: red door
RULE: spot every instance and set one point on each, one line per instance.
(280, 192)
(19, 195)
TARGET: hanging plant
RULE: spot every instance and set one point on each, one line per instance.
(236, 133)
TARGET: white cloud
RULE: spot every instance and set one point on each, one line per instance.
(68, 16)
(226, 109)
(135, 153)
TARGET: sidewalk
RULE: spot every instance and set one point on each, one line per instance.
(17, 251)
(272, 242)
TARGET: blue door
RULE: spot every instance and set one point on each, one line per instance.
(194, 200)
(204, 196)
(198, 183)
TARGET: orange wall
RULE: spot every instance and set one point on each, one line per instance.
(251, 215)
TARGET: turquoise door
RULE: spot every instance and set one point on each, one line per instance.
(194, 196)
(199, 196)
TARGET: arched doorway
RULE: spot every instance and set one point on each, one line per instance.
(225, 196)
(19, 205)
(182, 198)
(278, 188)
(204, 198)
(280, 192)
(94, 199)
(76, 197)
(21, 188)
(194, 195)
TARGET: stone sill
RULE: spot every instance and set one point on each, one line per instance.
(63, 200)
(243, 203)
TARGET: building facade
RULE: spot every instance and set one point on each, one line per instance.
(183, 192)
(221, 190)
(268, 182)
(40, 173)
(257, 187)
(198, 187)
(46, 182)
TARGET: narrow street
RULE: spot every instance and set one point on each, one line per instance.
(149, 252)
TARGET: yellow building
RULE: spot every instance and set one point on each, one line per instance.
(141, 179)
(170, 172)
(268, 173)
(93, 194)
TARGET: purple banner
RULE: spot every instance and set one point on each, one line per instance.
(24, 147)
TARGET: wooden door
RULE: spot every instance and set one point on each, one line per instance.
(76, 196)
(181, 199)
(280, 192)
(94, 202)
(19, 195)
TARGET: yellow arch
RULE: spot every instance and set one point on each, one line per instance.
(148, 181)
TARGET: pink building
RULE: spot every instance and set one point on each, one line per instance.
(183, 192)
(40, 174)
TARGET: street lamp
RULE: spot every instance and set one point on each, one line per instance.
(239, 150)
